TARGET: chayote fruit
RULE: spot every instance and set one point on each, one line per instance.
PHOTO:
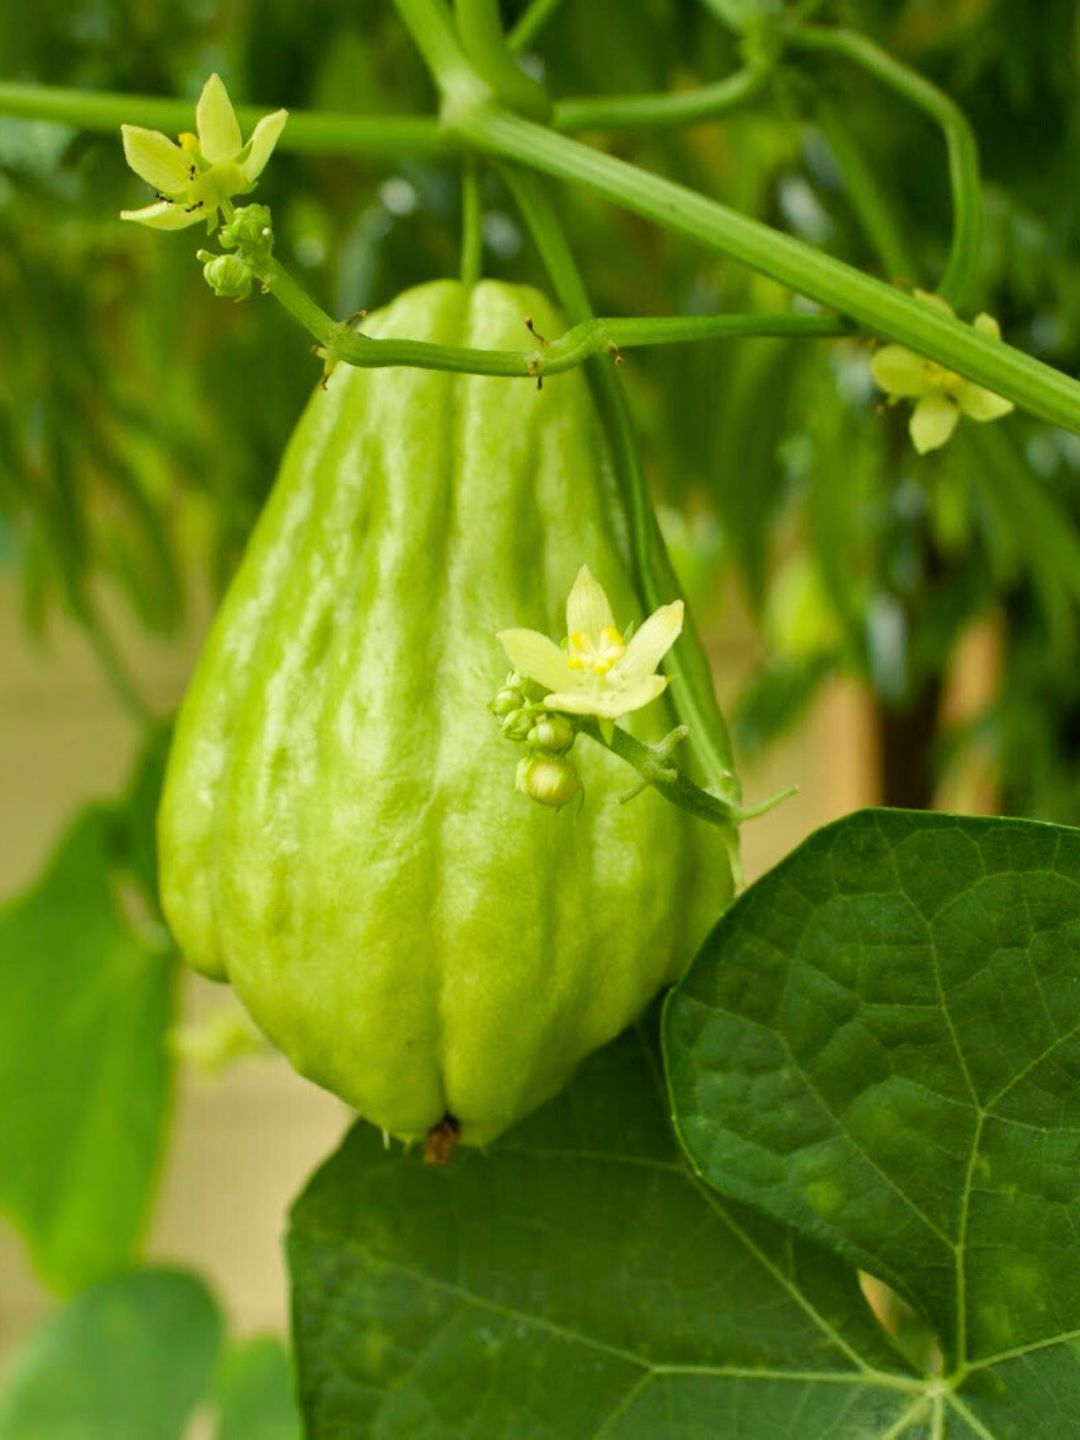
(340, 832)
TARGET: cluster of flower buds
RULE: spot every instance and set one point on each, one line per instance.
(545, 773)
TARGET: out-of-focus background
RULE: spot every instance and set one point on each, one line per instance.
(884, 628)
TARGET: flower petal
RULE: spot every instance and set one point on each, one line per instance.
(587, 608)
(261, 145)
(982, 404)
(164, 216)
(899, 371)
(155, 159)
(608, 704)
(650, 644)
(933, 421)
(215, 120)
(536, 656)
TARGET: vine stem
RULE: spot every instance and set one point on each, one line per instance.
(470, 120)
(312, 132)
(479, 28)
(880, 308)
(539, 13)
(963, 151)
(683, 107)
(472, 225)
(330, 132)
(692, 692)
(589, 338)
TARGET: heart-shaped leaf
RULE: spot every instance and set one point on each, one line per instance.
(880, 1046)
(575, 1281)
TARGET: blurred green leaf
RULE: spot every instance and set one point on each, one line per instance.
(740, 14)
(86, 990)
(128, 1360)
(879, 1045)
(1040, 527)
(749, 480)
(776, 698)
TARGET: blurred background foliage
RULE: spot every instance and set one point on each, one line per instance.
(141, 420)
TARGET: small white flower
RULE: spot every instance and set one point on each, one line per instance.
(941, 396)
(195, 178)
(599, 672)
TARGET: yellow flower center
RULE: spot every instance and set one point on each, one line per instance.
(595, 653)
(208, 186)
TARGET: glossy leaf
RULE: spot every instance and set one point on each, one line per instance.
(880, 1045)
(576, 1280)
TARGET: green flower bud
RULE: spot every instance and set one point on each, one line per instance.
(250, 229)
(506, 701)
(553, 733)
(517, 724)
(227, 275)
(547, 779)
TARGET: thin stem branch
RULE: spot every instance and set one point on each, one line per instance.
(430, 24)
(536, 17)
(468, 120)
(656, 768)
(479, 28)
(682, 107)
(693, 694)
(595, 337)
(592, 337)
(312, 131)
(472, 225)
(655, 765)
(960, 141)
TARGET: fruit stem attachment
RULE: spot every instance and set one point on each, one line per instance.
(441, 1141)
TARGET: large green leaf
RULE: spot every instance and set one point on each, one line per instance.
(576, 1281)
(128, 1360)
(85, 1000)
(880, 1046)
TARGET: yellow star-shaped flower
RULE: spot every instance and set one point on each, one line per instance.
(941, 396)
(197, 177)
(599, 672)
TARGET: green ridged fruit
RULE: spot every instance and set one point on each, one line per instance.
(340, 834)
